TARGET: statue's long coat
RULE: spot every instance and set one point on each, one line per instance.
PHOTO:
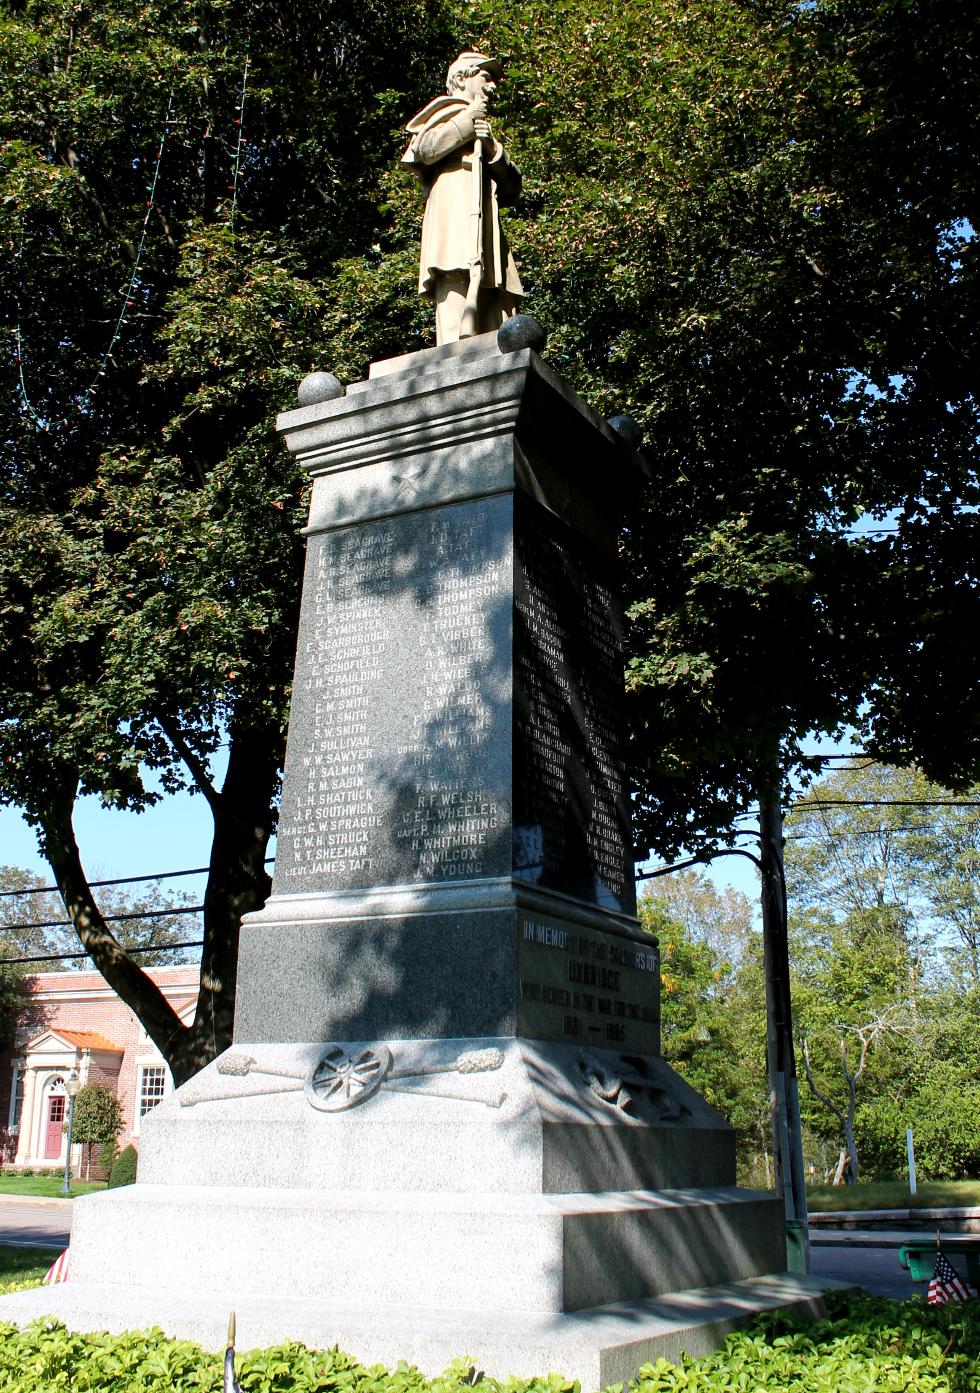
(441, 150)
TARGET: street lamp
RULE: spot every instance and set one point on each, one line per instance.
(71, 1088)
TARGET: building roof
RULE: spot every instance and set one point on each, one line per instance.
(85, 1039)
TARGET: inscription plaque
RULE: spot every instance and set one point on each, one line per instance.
(581, 985)
(571, 821)
(398, 766)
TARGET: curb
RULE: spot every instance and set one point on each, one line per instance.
(37, 1201)
(885, 1238)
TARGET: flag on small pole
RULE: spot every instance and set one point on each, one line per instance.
(946, 1284)
(58, 1271)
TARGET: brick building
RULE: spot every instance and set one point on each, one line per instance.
(76, 1021)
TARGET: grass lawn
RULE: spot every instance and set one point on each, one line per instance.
(23, 1267)
(894, 1194)
(47, 1186)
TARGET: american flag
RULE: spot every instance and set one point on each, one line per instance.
(58, 1271)
(947, 1284)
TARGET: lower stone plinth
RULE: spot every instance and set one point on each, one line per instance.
(536, 1206)
(494, 1252)
(598, 1347)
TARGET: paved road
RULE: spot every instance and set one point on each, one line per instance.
(35, 1225)
(875, 1269)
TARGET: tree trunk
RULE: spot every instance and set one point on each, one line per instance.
(129, 982)
(784, 1102)
(237, 884)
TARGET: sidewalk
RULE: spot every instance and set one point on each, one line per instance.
(41, 1201)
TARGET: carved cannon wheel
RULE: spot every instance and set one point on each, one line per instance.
(340, 1080)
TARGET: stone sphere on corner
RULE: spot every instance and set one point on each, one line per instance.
(521, 331)
(317, 387)
(628, 430)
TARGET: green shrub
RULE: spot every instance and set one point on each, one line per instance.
(123, 1168)
(867, 1345)
(108, 1152)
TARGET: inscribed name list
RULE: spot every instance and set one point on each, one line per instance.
(571, 818)
(398, 766)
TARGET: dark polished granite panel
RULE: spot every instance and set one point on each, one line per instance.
(419, 976)
(571, 815)
(398, 769)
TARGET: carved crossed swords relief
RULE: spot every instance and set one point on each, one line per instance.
(341, 1079)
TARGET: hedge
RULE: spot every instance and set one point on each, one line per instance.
(867, 1345)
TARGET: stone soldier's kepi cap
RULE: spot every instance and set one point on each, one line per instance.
(473, 60)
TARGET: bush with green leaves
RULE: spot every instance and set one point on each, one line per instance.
(865, 1345)
(123, 1168)
(96, 1119)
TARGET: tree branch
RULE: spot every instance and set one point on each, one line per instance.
(815, 1090)
(195, 765)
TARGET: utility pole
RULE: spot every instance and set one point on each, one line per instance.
(784, 1098)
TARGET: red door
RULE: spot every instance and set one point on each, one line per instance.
(54, 1135)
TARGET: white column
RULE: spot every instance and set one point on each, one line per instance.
(24, 1137)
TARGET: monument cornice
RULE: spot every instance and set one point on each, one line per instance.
(458, 428)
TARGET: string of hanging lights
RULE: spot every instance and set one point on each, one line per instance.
(240, 144)
(128, 300)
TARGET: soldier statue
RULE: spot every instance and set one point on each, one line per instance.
(466, 266)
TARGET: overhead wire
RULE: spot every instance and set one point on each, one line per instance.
(127, 298)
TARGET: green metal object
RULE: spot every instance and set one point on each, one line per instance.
(796, 1254)
(920, 1258)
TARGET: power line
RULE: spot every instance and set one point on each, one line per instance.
(818, 805)
(120, 880)
(107, 918)
(64, 957)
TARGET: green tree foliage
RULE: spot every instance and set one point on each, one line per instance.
(96, 1119)
(33, 923)
(98, 1114)
(150, 578)
(741, 228)
(750, 225)
(878, 863)
(712, 1001)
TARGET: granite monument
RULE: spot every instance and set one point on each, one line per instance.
(445, 1126)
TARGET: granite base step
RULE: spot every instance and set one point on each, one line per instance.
(604, 1345)
(557, 1252)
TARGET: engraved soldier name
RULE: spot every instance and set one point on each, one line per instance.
(400, 603)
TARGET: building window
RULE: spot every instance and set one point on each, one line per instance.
(153, 1086)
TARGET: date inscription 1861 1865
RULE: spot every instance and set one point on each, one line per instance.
(579, 984)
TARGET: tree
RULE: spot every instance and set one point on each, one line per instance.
(883, 977)
(713, 1019)
(749, 225)
(722, 920)
(97, 1118)
(165, 287)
